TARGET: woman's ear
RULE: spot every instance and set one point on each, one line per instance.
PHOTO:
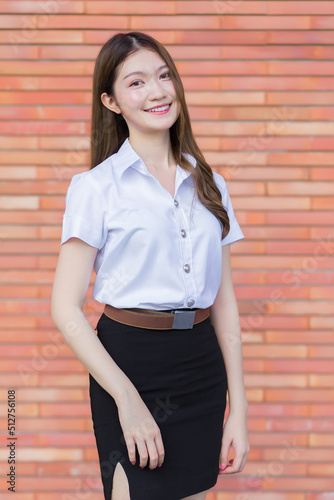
(110, 103)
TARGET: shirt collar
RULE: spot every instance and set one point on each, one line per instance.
(127, 157)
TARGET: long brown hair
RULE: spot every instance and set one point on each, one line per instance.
(109, 130)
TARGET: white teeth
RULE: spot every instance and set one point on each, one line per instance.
(163, 108)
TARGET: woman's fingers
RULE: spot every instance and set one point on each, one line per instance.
(224, 451)
(131, 446)
(142, 431)
(160, 449)
(143, 453)
(237, 463)
(149, 445)
(154, 453)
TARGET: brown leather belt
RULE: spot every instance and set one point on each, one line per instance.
(178, 319)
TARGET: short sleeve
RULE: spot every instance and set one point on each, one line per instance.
(235, 234)
(85, 212)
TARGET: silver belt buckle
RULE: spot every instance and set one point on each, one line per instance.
(183, 319)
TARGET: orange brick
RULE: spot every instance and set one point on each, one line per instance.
(221, 7)
(299, 188)
(324, 322)
(295, 37)
(275, 233)
(299, 68)
(225, 98)
(279, 438)
(299, 365)
(306, 158)
(323, 203)
(59, 409)
(45, 128)
(305, 395)
(322, 22)
(61, 380)
(322, 381)
(232, 37)
(316, 128)
(326, 218)
(320, 470)
(272, 203)
(40, 8)
(304, 247)
(305, 337)
(130, 7)
(29, 34)
(263, 173)
(33, 23)
(300, 97)
(303, 424)
(308, 7)
(268, 351)
(321, 410)
(19, 202)
(273, 52)
(224, 68)
(308, 455)
(79, 439)
(218, 128)
(45, 98)
(306, 484)
(266, 22)
(74, 469)
(180, 52)
(280, 380)
(18, 172)
(144, 23)
(260, 292)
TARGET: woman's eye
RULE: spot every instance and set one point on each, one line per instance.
(168, 74)
(137, 81)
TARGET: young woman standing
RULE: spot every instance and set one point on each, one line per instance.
(156, 223)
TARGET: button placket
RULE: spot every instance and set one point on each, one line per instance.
(186, 255)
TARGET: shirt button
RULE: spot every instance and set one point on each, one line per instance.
(190, 302)
(183, 233)
(176, 203)
(186, 268)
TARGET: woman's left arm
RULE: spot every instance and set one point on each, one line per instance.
(224, 316)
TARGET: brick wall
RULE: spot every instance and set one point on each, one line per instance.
(259, 85)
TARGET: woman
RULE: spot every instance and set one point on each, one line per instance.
(156, 223)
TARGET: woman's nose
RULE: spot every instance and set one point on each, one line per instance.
(157, 91)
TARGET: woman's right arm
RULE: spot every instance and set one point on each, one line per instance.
(74, 269)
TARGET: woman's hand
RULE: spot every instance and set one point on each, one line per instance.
(235, 435)
(140, 428)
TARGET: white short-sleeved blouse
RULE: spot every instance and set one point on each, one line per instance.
(155, 251)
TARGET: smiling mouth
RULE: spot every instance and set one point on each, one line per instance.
(159, 109)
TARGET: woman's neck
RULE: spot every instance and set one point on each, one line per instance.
(155, 150)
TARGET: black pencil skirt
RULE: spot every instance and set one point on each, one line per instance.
(181, 377)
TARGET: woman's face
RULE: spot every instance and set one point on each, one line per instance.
(144, 93)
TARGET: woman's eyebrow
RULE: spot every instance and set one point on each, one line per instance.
(141, 73)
